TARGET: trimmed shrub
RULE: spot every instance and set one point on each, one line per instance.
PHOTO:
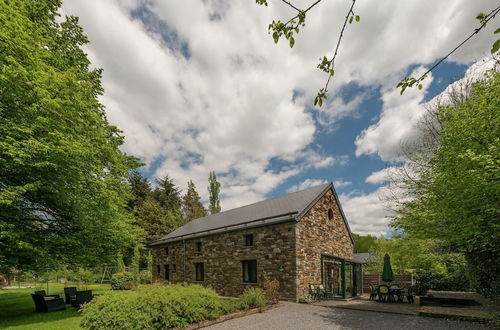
(252, 298)
(154, 307)
(123, 281)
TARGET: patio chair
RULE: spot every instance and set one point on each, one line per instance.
(408, 294)
(47, 304)
(42, 292)
(313, 292)
(383, 293)
(394, 291)
(321, 292)
(82, 297)
(373, 292)
(69, 294)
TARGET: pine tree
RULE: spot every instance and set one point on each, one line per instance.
(192, 206)
(213, 191)
(168, 195)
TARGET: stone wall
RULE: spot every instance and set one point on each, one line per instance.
(316, 234)
(274, 250)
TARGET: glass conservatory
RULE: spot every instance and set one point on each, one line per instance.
(342, 278)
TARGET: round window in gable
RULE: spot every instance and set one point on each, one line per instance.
(330, 214)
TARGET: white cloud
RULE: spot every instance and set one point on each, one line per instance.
(341, 183)
(400, 114)
(307, 183)
(381, 176)
(232, 105)
(367, 213)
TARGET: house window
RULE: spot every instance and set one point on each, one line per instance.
(199, 246)
(158, 269)
(167, 272)
(330, 214)
(249, 240)
(249, 271)
(166, 251)
(199, 271)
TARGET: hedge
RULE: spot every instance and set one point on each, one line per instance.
(158, 307)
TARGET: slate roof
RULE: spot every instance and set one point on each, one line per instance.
(279, 209)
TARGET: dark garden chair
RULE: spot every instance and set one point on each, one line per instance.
(42, 292)
(69, 294)
(408, 294)
(45, 304)
(373, 292)
(82, 297)
(322, 293)
(394, 291)
(383, 293)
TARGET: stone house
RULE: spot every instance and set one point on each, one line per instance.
(300, 239)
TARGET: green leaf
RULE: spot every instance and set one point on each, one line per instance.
(350, 19)
(292, 42)
(495, 47)
(358, 18)
(420, 86)
(497, 31)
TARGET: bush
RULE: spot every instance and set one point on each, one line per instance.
(154, 307)
(430, 280)
(271, 289)
(305, 299)
(253, 298)
(123, 281)
(145, 277)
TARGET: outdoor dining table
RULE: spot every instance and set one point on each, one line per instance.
(395, 292)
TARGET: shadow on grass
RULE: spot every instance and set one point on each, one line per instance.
(18, 309)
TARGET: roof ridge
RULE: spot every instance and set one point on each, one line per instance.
(264, 200)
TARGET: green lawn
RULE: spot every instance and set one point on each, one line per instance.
(17, 309)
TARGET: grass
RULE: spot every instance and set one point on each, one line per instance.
(17, 309)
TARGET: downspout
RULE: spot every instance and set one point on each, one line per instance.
(184, 262)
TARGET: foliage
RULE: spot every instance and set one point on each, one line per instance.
(145, 277)
(191, 205)
(305, 299)
(430, 280)
(271, 289)
(363, 243)
(154, 307)
(253, 298)
(63, 188)
(213, 193)
(84, 277)
(124, 281)
(456, 196)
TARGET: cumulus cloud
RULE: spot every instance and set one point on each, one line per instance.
(307, 183)
(200, 86)
(367, 214)
(401, 113)
(341, 183)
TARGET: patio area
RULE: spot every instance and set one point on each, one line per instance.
(484, 310)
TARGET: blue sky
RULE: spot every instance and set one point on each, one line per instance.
(200, 85)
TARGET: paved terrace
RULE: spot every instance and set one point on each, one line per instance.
(486, 310)
(301, 317)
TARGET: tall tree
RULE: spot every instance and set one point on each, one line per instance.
(141, 189)
(213, 193)
(63, 190)
(168, 195)
(191, 204)
(455, 194)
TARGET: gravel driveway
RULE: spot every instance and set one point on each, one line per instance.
(299, 316)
